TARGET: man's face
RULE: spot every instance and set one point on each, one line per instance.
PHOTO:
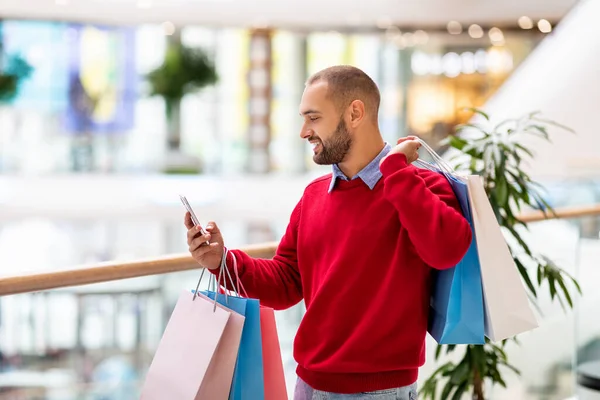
(324, 126)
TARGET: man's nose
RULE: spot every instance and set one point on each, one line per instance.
(306, 133)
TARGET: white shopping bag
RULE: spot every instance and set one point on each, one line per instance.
(507, 308)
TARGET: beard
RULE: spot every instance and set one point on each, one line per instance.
(334, 149)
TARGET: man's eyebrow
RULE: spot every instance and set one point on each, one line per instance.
(309, 112)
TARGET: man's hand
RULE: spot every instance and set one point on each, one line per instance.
(409, 146)
(207, 255)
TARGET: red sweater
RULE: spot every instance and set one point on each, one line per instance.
(361, 259)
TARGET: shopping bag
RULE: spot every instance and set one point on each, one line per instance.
(507, 308)
(219, 376)
(456, 312)
(456, 307)
(189, 345)
(274, 376)
(248, 378)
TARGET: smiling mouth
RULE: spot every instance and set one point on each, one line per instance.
(315, 145)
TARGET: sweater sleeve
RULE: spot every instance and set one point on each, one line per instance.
(429, 210)
(275, 282)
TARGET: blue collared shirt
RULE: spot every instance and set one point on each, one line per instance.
(369, 174)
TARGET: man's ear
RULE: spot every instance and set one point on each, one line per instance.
(357, 113)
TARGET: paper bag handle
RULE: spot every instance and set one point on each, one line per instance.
(440, 163)
(219, 282)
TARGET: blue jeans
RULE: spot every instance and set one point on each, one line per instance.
(305, 392)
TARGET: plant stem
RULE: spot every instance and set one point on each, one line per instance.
(174, 124)
(477, 385)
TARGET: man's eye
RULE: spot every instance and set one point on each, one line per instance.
(314, 118)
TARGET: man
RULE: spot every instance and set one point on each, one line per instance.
(358, 249)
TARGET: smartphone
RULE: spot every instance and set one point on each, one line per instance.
(195, 220)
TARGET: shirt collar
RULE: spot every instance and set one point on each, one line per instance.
(369, 174)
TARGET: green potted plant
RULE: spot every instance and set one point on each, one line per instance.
(493, 152)
(184, 70)
(13, 70)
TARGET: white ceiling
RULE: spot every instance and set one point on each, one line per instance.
(288, 13)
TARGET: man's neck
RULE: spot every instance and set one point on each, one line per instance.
(361, 156)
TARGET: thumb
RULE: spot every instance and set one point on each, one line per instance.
(212, 228)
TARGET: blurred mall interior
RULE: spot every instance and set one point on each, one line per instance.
(94, 152)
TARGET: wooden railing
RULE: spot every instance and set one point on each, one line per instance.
(112, 271)
(561, 213)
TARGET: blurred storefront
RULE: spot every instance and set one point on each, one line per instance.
(86, 107)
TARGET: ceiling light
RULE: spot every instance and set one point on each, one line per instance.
(475, 31)
(409, 39)
(525, 22)
(451, 64)
(544, 26)
(496, 36)
(468, 62)
(454, 28)
(399, 42)
(421, 37)
(168, 27)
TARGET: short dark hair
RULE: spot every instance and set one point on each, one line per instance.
(346, 84)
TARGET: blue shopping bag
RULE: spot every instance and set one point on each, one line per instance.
(456, 312)
(248, 379)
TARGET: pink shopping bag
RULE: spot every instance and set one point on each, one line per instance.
(196, 356)
(218, 378)
(272, 364)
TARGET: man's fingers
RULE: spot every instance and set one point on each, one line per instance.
(200, 251)
(415, 155)
(212, 227)
(404, 139)
(192, 233)
(187, 220)
(199, 241)
(414, 145)
(203, 249)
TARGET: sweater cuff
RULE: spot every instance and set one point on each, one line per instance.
(393, 163)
